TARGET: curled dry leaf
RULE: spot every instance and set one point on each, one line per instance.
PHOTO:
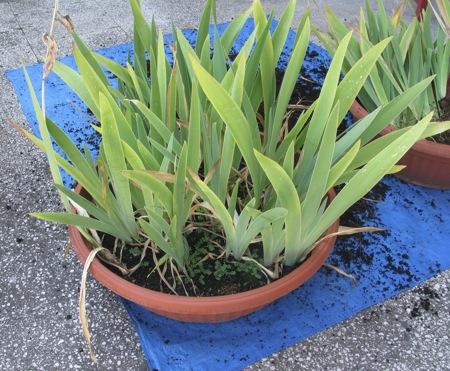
(66, 21)
(50, 59)
(82, 303)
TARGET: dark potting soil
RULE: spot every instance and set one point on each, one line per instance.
(352, 249)
(424, 303)
(443, 138)
(355, 253)
(209, 273)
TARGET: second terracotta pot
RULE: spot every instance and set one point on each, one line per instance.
(427, 163)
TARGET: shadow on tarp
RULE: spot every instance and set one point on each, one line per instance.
(384, 264)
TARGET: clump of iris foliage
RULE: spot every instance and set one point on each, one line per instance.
(182, 147)
(416, 52)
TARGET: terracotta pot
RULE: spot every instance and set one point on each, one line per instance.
(205, 309)
(427, 163)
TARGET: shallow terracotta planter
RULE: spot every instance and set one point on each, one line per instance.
(205, 309)
(427, 163)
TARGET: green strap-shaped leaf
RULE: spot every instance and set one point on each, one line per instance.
(76, 83)
(114, 67)
(162, 76)
(194, 136)
(319, 178)
(324, 105)
(219, 66)
(180, 186)
(115, 158)
(367, 177)
(88, 56)
(288, 198)
(342, 165)
(354, 79)
(74, 155)
(218, 207)
(142, 29)
(159, 240)
(282, 30)
(391, 110)
(233, 118)
(148, 180)
(157, 125)
(91, 79)
(287, 86)
(242, 221)
(141, 93)
(256, 226)
(203, 29)
(46, 140)
(233, 29)
(79, 221)
(273, 241)
(266, 63)
(64, 164)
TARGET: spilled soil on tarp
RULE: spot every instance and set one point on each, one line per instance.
(353, 250)
(387, 264)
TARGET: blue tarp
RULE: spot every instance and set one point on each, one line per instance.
(414, 247)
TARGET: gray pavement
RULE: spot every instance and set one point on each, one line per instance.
(39, 327)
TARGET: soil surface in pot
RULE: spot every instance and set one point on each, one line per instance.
(443, 138)
(220, 277)
(209, 272)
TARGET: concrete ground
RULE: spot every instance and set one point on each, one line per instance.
(39, 327)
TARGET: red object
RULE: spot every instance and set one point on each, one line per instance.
(427, 163)
(421, 5)
(205, 309)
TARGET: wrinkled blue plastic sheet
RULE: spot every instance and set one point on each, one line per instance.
(414, 248)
